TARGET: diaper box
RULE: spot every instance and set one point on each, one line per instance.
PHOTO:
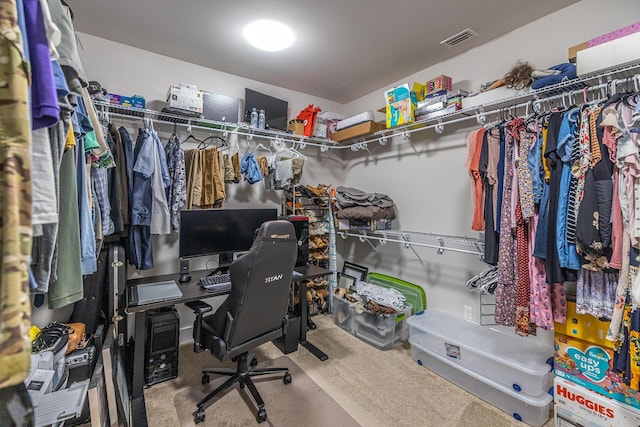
(399, 106)
(591, 365)
(575, 406)
(584, 327)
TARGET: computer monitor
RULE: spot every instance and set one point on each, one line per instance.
(275, 110)
(220, 232)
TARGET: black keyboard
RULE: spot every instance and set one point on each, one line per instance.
(218, 283)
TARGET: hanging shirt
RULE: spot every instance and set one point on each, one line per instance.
(160, 216)
(177, 199)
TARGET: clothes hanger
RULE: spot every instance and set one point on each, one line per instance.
(293, 151)
(210, 137)
(190, 136)
(260, 145)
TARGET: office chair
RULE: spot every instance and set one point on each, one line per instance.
(253, 313)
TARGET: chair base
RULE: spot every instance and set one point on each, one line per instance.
(242, 375)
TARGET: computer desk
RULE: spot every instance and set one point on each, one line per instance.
(310, 272)
(192, 291)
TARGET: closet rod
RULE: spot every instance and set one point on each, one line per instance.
(441, 243)
(223, 127)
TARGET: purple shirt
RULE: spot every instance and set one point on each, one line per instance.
(44, 99)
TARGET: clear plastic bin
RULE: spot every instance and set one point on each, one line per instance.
(534, 411)
(381, 331)
(523, 364)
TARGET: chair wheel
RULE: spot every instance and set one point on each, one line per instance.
(262, 416)
(254, 362)
(199, 416)
(287, 378)
(205, 378)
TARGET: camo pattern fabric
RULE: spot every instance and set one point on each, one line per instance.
(15, 201)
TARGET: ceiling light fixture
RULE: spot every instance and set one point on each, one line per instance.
(268, 35)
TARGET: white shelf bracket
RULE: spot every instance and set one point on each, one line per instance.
(440, 250)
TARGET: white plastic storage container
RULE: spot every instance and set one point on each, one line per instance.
(523, 364)
(531, 410)
(380, 331)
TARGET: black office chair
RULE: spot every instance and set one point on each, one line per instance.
(253, 313)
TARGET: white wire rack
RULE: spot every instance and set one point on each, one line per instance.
(410, 239)
(598, 84)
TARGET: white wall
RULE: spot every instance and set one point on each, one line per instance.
(431, 190)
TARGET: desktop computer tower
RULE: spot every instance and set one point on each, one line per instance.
(161, 346)
(301, 225)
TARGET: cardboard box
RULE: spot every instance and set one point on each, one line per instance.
(441, 82)
(185, 97)
(573, 51)
(132, 101)
(577, 406)
(296, 126)
(399, 106)
(584, 327)
(356, 131)
(330, 121)
(433, 114)
(618, 52)
(590, 365)
(605, 38)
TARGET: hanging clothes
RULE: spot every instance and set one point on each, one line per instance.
(15, 203)
(178, 189)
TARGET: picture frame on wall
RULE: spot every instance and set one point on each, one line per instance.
(354, 270)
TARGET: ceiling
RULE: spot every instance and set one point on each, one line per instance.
(344, 49)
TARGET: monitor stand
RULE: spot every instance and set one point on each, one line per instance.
(224, 262)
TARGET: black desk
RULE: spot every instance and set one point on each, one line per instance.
(192, 291)
(310, 272)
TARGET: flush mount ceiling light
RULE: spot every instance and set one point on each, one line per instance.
(268, 35)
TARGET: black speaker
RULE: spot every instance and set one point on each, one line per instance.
(301, 225)
(161, 346)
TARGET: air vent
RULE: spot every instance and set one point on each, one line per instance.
(459, 38)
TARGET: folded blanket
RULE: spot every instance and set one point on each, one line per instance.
(367, 212)
(347, 197)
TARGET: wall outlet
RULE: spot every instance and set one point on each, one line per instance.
(468, 312)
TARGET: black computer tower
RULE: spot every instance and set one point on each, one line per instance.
(161, 346)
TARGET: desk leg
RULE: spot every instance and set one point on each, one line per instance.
(138, 408)
(304, 317)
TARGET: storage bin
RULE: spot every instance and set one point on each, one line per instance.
(379, 331)
(413, 294)
(522, 364)
(531, 410)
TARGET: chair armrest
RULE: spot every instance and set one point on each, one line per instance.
(199, 307)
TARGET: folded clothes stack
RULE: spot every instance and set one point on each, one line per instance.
(357, 204)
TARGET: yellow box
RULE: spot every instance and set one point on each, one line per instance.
(585, 327)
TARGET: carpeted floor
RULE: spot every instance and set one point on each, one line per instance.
(373, 387)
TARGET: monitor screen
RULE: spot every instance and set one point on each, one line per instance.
(275, 110)
(220, 231)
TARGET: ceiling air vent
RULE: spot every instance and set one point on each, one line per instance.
(459, 38)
